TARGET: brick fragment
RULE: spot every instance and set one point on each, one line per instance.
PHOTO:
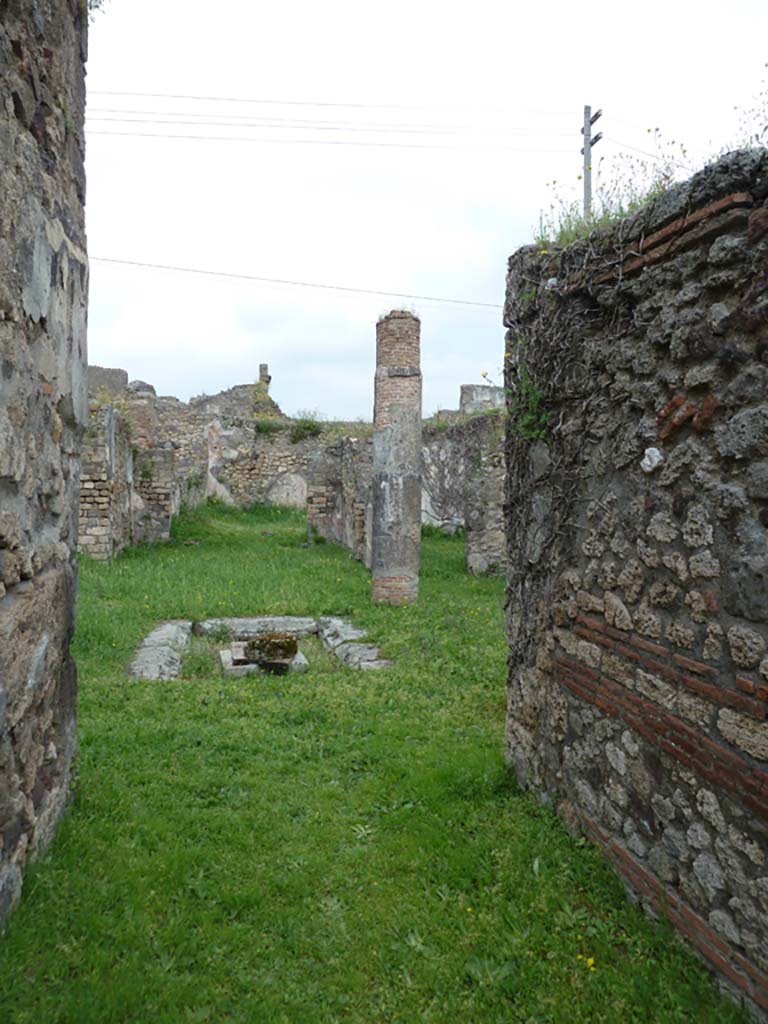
(694, 666)
(757, 225)
(736, 199)
(703, 418)
(646, 645)
(684, 413)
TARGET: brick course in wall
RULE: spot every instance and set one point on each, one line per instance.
(107, 499)
(638, 554)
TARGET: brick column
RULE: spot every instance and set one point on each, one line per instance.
(396, 533)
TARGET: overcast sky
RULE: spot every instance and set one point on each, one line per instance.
(466, 112)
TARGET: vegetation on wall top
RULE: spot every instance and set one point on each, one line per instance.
(623, 183)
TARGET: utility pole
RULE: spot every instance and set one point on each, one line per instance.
(589, 142)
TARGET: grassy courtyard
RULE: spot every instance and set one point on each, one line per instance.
(334, 846)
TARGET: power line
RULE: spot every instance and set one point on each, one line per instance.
(295, 284)
(267, 119)
(646, 152)
(311, 103)
(290, 126)
(151, 117)
(260, 100)
(323, 142)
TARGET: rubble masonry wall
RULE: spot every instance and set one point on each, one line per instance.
(43, 410)
(638, 596)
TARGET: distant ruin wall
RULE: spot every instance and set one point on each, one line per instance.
(463, 472)
(43, 410)
(239, 447)
(462, 485)
(128, 494)
(637, 496)
(105, 382)
(107, 499)
(218, 451)
(339, 502)
(480, 398)
(155, 483)
(484, 524)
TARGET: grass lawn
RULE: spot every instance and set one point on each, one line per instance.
(334, 846)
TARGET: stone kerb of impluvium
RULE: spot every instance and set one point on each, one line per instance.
(162, 650)
(396, 527)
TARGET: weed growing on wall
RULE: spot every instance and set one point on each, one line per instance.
(528, 415)
(306, 424)
(622, 184)
(267, 425)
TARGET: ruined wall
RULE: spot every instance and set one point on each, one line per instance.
(339, 502)
(269, 469)
(463, 471)
(156, 484)
(444, 466)
(474, 398)
(218, 451)
(238, 446)
(638, 586)
(486, 550)
(104, 382)
(131, 487)
(107, 499)
(43, 409)
(463, 474)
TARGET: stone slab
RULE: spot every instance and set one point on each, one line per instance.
(250, 627)
(334, 632)
(159, 656)
(364, 656)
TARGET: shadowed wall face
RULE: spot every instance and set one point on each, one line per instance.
(43, 410)
(396, 527)
(637, 524)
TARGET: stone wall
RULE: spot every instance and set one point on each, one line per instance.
(462, 485)
(103, 381)
(484, 494)
(444, 466)
(43, 410)
(637, 500)
(107, 500)
(128, 493)
(269, 469)
(239, 447)
(476, 398)
(156, 485)
(339, 504)
(218, 450)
